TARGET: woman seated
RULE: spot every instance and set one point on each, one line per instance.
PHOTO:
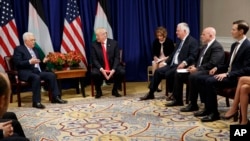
(241, 97)
(162, 48)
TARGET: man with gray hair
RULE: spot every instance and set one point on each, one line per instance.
(30, 68)
(211, 55)
(184, 55)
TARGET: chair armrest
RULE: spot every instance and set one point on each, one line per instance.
(13, 76)
(123, 64)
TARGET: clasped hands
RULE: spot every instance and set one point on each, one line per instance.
(7, 128)
(107, 73)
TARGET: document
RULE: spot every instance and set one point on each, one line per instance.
(182, 71)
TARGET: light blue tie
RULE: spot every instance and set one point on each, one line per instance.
(33, 55)
(175, 58)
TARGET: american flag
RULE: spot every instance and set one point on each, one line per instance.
(8, 31)
(72, 32)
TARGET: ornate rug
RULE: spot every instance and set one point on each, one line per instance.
(119, 119)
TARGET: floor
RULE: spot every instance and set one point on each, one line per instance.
(70, 94)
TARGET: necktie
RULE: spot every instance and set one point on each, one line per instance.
(203, 51)
(233, 56)
(33, 55)
(175, 58)
(106, 62)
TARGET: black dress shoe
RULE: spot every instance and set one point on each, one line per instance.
(58, 100)
(147, 97)
(211, 117)
(158, 90)
(38, 105)
(174, 103)
(201, 113)
(190, 108)
(115, 93)
(98, 94)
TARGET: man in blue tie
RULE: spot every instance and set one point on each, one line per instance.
(211, 55)
(182, 57)
(30, 68)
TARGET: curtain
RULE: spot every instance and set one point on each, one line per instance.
(133, 23)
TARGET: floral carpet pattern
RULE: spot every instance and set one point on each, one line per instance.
(119, 119)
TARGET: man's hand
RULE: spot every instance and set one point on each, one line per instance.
(192, 69)
(181, 66)
(34, 61)
(213, 71)
(7, 128)
(104, 72)
(111, 74)
(221, 76)
(45, 59)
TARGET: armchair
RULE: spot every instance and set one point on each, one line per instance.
(17, 84)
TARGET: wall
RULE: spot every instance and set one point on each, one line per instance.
(220, 14)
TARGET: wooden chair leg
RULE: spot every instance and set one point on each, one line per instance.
(92, 88)
(19, 99)
(50, 95)
(187, 94)
(166, 87)
(227, 102)
(11, 97)
(124, 87)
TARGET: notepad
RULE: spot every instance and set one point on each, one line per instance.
(182, 71)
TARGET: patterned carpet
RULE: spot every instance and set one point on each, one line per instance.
(118, 119)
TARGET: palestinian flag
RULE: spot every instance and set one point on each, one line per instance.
(102, 18)
(38, 27)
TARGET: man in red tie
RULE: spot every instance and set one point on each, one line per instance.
(106, 62)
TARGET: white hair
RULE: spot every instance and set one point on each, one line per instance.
(26, 35)
(184, 26)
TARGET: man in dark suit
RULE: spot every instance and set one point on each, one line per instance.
(106, 62)
(30, 68)
(183, 56)
(210, 56)
(239, 60)
(10, 128)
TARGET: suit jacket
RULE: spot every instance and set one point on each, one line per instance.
(240, 62)
(188, 52)
(112, 50)
(168, 47)
(21, 59)
(213, 57)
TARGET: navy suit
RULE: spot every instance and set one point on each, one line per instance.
(213, 57)
(187, 53)
(209, 84)
(28, 72)
(113, 53)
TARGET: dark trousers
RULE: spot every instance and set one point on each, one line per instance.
(98, 77)
(166, 72)
(179, 80)
(209, 85)
(35, 80)
(194, 87)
